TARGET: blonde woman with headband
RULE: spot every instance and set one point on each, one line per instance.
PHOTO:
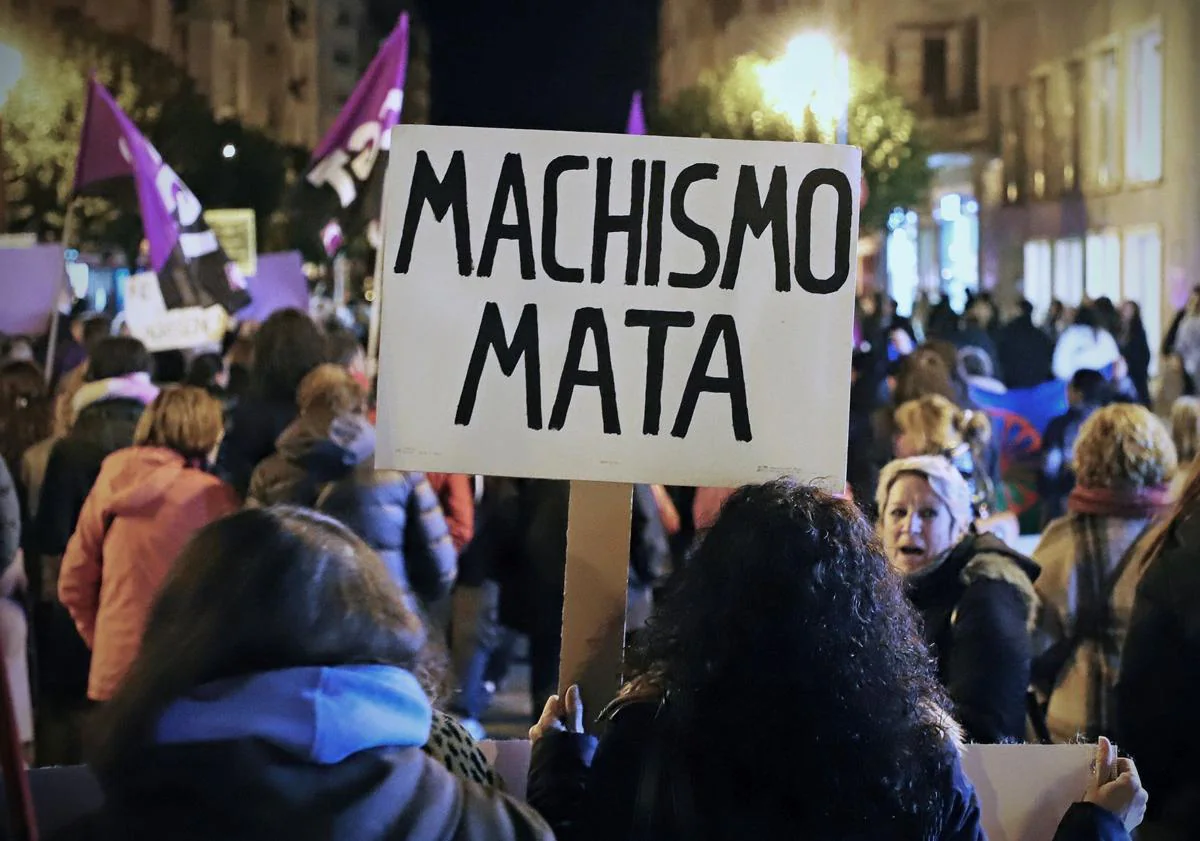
(974, 593)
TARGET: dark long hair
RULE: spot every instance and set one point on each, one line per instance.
(1135, 330)
(203, 372)
(1107, 315)
(795, 672)
(261, 590)
(26, 410)
(287, 346)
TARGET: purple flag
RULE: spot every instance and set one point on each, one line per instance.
(637, 116)
(192, 268)
(348, 158)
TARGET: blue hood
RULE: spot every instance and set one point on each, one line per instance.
(323, 714)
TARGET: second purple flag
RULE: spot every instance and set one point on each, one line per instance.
(351, 158)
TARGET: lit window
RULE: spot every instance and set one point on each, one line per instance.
(1144, 118)
(1068, 271)
(903, 260)
(1105, 119)
(1103, 272)
(1144, 281)
(1039, 279)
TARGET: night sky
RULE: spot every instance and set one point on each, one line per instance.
(546, 64)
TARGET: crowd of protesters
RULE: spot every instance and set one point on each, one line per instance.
(210, 594)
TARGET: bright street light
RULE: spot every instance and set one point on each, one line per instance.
(12, 64)
(229, 152)
(812, 76)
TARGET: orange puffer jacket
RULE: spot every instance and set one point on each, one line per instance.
(145, 505)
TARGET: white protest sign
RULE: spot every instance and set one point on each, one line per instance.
(1023, 790)
(617, 308)
(159, 328)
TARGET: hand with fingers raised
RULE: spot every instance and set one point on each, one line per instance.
(1116, 786)
(561, 713)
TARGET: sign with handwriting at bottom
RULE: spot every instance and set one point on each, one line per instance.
(159, 328)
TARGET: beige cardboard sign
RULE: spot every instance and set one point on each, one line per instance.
(237, 232)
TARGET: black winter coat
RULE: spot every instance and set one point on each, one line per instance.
(1056, 479)
(254, 425)
(979, 338)
(1135, 347)
(249, 790)
(1159, 686)
(1026, 354)
(525, 543)
(978, 607)
(100, 429)
(607, 792)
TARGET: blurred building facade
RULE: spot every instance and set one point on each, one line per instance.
(340, 55)
(1092, 192)
(282, 66)
(1056, 175)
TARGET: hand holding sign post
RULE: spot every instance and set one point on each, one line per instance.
(615, 309)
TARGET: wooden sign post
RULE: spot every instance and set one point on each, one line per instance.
(609, 310)
(597, 587)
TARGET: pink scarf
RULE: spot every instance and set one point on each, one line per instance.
(1138, 504)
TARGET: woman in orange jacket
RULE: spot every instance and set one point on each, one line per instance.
(147, 502)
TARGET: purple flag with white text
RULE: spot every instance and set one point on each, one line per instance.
(192, 269)
(352, 157)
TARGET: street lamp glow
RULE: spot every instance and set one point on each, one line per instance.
(229, 152)
(12, 65)
(811, 77)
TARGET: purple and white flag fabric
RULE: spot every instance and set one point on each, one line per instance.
(352, 157)
(192, 269)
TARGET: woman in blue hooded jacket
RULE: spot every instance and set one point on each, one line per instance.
(276, 696)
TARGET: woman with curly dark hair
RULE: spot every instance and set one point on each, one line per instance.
(782, 691)
(287, 346)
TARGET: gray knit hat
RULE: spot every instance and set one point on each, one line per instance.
(947, 483)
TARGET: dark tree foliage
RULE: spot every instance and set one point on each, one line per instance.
(43, 118)
(730, 104)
